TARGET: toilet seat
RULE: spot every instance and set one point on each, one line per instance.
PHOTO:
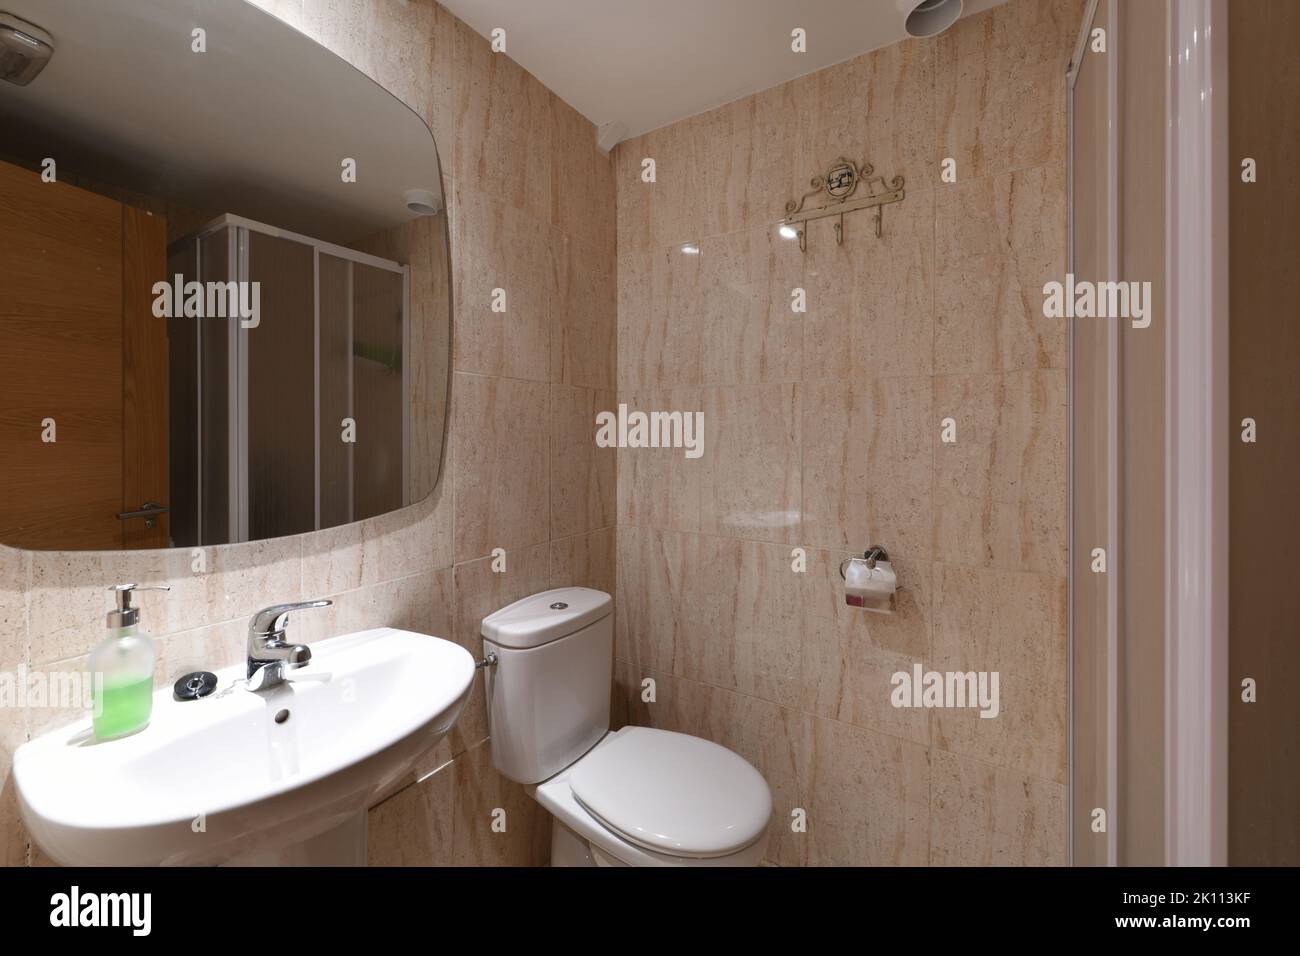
(672, 793)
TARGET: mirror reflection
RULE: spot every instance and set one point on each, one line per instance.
(224, 281)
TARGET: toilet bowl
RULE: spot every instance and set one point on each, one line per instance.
(633, 797)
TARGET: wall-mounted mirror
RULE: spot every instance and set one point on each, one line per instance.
(224, 280)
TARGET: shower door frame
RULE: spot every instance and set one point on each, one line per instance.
(1197, 685)
(1112, 429)
(1197, 435)
(238, 265)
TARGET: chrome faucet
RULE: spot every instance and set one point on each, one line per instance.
(268, 653)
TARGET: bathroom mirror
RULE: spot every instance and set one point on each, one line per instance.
(224, 280)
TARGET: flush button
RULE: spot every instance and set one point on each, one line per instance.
(558, 606)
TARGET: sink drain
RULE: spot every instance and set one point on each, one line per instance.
(282, 716)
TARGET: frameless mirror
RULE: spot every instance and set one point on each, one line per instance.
(224, 280)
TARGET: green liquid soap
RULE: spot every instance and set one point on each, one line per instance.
(126, 708)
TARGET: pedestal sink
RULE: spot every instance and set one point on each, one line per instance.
(279, 776)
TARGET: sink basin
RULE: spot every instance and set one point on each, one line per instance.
(283, 775)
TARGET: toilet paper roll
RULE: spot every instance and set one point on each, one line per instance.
(872, 589)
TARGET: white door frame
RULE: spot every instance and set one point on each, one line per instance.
(1196, 449)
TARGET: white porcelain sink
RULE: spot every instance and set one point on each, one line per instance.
(278, 776)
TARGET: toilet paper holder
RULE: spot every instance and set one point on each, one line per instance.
(870, 556)
(882, 601)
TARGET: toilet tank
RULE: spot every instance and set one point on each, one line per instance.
(548, 694)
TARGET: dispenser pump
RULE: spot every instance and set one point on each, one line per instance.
(125, 615)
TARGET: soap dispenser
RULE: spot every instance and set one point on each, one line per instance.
(121, 670)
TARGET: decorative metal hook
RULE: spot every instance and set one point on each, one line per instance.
(840, 183)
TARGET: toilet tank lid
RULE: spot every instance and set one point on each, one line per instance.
(545, 617)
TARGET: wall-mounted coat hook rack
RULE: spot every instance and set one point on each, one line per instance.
(841, 184)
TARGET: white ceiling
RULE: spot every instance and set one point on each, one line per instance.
(648, 63)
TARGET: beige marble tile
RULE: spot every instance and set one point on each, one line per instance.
(751, 486)
(677, 197)
(868, 798)
(422, 602)
(496, 822)
(660, 319)
(773, 162)
(872, 299)
(243, 579)
(825, 272)
(849, 655)
(501, 464)
(986, 816)
(582, 181)
(586, 560)
(584, 492)
(14, 566)
(203, 649)
(479, 591)
(743, 619)
(855, 689)
(415, 826)
(723, 140)
(1015, 624)
(584, 321)
(660, 487)
(750, 333)
(499, 247)
(378, 549)
(623, 689)
(868, 463)
(654, 569)
(998, 240)
(1000, 489)
(69, 596)
(1000, 86)
(505, 122)
(13, 838)
(632, 198)
(52, 714)
(877, 108)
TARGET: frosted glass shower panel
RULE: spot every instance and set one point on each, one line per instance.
(302, 395)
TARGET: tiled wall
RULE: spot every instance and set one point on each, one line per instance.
(823, 433)
(532, 211)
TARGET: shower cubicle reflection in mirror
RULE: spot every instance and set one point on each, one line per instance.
(224, 282)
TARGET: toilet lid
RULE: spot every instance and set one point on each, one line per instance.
(673, 793)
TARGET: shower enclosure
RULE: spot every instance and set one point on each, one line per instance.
(1182, 526)
(325, 351)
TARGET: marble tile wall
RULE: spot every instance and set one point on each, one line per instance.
(823, 433)
(532, 210)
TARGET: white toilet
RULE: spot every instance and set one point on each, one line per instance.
(636, 797)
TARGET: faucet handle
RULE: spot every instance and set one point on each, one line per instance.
(270, 621)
